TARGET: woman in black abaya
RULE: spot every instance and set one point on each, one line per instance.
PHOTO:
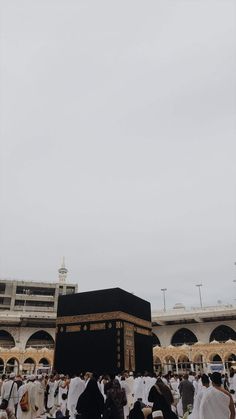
(90, 404)
(161, 397)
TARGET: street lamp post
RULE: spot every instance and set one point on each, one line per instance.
(200, 295)
(164, 297)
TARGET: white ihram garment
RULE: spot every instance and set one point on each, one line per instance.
(51, 392)
(40, 390)
(148, 383)
(130, 398)
(138, 388)
(5, 393)
(214, 405)
(76, 388)
(21, 391)
(32, 399)
(197, 403)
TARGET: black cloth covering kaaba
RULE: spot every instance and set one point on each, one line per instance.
(105, 331)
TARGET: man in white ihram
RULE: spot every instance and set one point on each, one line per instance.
(32, 409)
(9, 392)
(216, 403)
(76, 388)
(205, 381)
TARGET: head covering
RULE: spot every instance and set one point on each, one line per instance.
(12, 375)
(91, 399)
(116, 384)
(137, 412)
(31, 377)
(137, 405)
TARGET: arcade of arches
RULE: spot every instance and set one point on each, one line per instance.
(28, 350)
(32, 353)
(186, 352)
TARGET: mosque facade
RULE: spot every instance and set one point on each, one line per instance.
(27, 323)
(198, 339)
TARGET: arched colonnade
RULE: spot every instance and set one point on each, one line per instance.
(197, 357)
(36, 355)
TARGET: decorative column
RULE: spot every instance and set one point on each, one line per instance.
(176, 367)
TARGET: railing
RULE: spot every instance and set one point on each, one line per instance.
(6, 345)
(193, 309)
(38, 346)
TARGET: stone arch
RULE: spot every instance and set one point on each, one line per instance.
(230, 360)
(12, 365)
(184, 362)
(222, 333)
(44, 361)
(230, 356)
(198, 357)
(157, 363)
(6, 339)
(1, 366)
(40, 339)
(155, 340)
(29, 366)
(183, 336)
(169, 359)
(170, 364)
(215, 357)
(44, 366)
(198, 362)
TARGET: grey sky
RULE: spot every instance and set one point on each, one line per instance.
(118, 145)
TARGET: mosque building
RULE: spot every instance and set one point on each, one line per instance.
(197, 339)
(27, 322)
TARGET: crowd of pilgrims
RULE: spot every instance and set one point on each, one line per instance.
(125, 396)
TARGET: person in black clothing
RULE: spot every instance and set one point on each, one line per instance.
(136, 412)
(186, 391)
(161, 397)
(90, 404)
(115, 402)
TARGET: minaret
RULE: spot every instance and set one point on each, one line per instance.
(62, 272)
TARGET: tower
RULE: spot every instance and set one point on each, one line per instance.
(62, 272)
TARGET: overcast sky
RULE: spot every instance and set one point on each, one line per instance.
(118, 145)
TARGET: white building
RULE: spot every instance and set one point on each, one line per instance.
(194, 338)
(27, 322)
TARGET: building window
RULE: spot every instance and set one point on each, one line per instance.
(2, 288)
(70, 290)
(35, 291)
(31, 303)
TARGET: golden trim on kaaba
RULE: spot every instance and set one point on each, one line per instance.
(143, 331)
(129, 350)
(113, 315)
(73, 328)
(97, 326)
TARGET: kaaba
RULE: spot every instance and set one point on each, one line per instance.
(105, 331)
